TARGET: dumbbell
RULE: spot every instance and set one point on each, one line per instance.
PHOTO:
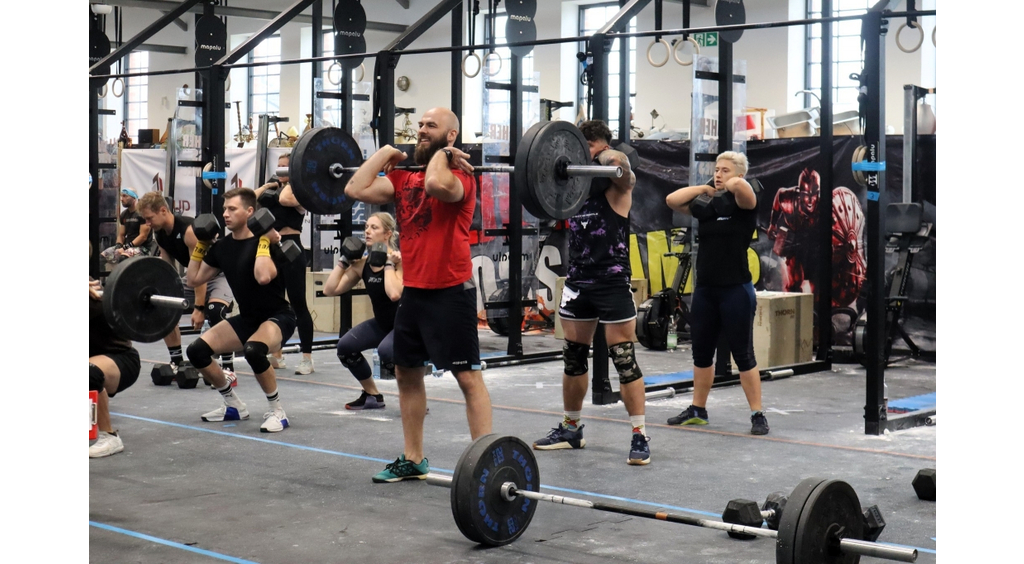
(206, 227)
(873, 523)
(162, 374)
(747, 513)
(185, 376)
(260, 223)
(352, 249)
(924, 484)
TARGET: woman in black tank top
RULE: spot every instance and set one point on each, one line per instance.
(384, 287)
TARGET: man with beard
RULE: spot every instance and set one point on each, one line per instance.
(436, 319)
(793, 228)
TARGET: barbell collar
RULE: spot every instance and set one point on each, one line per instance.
(874, 549)
(167, 301)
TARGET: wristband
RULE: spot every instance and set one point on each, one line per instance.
(200, 251)
(198, 307)
(128, 245)
(391, 264)
(263, 250)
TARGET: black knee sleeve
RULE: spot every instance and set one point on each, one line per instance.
(96, 378)
(574, 356)
(256, 355)
(215, 312)
(623, 358)
(351, 360)
(199, 353)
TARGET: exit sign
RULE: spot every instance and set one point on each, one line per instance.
(707, 39)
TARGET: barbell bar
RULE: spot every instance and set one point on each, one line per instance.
(566, 170)
(497, 481)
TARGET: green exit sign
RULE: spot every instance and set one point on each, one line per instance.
(707, 39)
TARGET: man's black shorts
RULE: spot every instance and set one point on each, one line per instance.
(438, 326)
(245, 327)
(607, 303)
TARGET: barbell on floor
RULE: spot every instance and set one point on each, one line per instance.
(143, 299)
(552, 170)
(496, 484)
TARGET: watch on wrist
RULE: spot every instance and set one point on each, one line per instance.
(449, 154)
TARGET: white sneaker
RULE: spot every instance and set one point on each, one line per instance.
(227, 413)
(106, 444)
(277, 362)
(274, 421)
(305, 367)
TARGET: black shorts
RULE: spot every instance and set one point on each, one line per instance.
(607, 303)
(129, 365)
(438, 326)
(245, 326)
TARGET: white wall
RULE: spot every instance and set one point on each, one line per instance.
(773, 56)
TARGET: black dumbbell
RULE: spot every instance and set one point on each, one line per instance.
(378, 255)
(772, 509)
(206, 227)
(873, 523)
(269, 197)
(162, 374)
(187, 377)
(924, 484)
(261, 223)
(742, 512)
(352, 249)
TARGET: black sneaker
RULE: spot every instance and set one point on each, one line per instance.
(758, 424)
(366, 401)
(560, 437)
(639, 451)
(690, 416)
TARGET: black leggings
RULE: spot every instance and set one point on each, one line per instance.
(295, 285)
(727, 310)
(367, 335)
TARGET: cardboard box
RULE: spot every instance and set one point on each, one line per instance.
(326, 311)
(639, 286)
(783, 329)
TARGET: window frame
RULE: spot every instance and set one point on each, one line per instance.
(844, 55)
(264, 72)
(613, 59)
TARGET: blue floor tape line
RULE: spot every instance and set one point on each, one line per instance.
(171, 544)
(442, 470)
(667, 379)
(913, 403)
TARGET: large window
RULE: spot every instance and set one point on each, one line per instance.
(498, 105)
(846, 53)
(593, 18)
(265, 81)
(136, 94)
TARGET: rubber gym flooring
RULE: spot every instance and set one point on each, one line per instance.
(188, 491)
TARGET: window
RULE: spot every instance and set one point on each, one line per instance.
(497, 101)
(136, 96)
(846, 53)
(592, 18)
(265, 81)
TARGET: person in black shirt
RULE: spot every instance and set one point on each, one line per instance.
(384, 287)
(723, 296)
(133, 235)
(597, 290)
(264, 320)
(289, 215)
(176, 241)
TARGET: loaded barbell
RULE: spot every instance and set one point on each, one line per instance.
(496, 483)
(143, 299)
(552, 170)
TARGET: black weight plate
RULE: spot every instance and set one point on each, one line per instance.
(349, 16)
(730, 12)
(124, 304)
(542, 191)
(517, 31)
(99, 47)
(498, 324)
(785, 543)
(309, 169)
(481, 512)
(211, 40)
(832, 506)
(526, 8)
(345, 44)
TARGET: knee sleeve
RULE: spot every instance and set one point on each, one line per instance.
(199, 354)
(96, 378)
(215, 312)
(351, 360)
(574, 355)
(625, 362)
(256, 355)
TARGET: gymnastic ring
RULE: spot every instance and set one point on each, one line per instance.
(362, 73)
(103, 91)
(920, 40)
(675, 51)
(113, 87)
(485, 64)
(933, 36)
(479, 64)
(668, 51)
(227, 83)
(330, 68)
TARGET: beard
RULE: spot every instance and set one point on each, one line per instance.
(424, 153)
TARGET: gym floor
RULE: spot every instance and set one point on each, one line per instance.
(188, 491)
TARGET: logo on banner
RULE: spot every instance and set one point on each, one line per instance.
(158, 183)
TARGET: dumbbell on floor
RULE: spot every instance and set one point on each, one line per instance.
(745, 512)
(260, 223)
(924, 484)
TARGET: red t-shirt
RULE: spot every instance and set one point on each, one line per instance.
(434, 235)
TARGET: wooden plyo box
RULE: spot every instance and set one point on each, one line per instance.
(326, 311)
(783, 328)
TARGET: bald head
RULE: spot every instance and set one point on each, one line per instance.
(444, 118)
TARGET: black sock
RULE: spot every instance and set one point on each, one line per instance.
(175, 353)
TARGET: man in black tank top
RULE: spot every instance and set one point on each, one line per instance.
(597, 291)
(176, 241)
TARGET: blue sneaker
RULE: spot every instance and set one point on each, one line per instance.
(560, 437)
(690, 416)
(402, 469)
(639, 452)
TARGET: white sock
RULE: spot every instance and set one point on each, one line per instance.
(573, 416)
(274, 400)
(638, 423)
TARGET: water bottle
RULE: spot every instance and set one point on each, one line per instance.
(671, 340)
(376, 364)
(205, 327)
(885, 397)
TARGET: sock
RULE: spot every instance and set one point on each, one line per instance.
(638, 424)
(753, 413)
(699, 409)
(227, 361)
(274, 400)
(228, 392)
(176, 357)
(571, 420)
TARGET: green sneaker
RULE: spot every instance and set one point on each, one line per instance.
(692, 415)
(402, 469)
